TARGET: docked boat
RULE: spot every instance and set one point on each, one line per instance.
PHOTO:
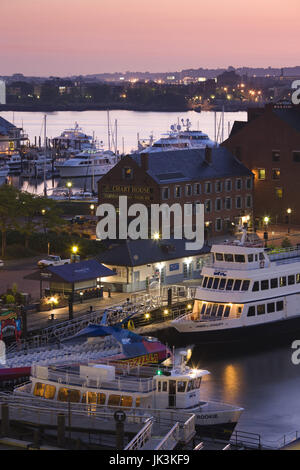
(140, 388)
(90, 162)
(4, 170)
(246, 293)
(72, 140)
(14, 163)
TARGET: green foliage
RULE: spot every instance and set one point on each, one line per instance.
(9, 299)
(286, 243)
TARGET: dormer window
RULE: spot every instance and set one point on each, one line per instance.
(127, 173)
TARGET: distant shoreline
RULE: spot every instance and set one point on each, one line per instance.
(111, 106)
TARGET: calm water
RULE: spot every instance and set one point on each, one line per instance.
(266, 384)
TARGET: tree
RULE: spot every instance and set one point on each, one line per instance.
(9, 205)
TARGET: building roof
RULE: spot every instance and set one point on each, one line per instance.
(290, 115)
(140, 252)
(5, 126)
(74, 272)
(237, 126)
(188, 165)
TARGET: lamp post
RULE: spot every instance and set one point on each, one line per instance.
(289, 212)
(69, 186)
(74, 253)
(266, 236)
(92, 209)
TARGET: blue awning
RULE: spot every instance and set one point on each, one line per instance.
(77, 272)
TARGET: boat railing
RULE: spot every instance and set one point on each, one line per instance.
(284, 253)
(133, 384)
(170, 440)
(144, 435)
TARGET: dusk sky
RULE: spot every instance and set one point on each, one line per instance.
(64, 37)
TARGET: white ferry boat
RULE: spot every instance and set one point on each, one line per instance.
(88, 163)
(140, 388)
(246, 293)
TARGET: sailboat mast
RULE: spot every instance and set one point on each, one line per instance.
(45, 154)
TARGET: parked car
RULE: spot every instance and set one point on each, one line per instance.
(52, 260)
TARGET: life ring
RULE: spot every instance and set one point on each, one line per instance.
(130, 325)
(262, 264)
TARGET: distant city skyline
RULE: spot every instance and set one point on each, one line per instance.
(80, 37)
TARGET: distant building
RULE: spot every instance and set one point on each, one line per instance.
(269, 145)
(2, 92)
(11, 137)
(213, 177)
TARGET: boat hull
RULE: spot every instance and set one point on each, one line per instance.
(270, 333)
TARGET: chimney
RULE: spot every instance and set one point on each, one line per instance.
(145, 161)
(208, 155)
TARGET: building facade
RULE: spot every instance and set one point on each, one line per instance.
(2, 92)
(269, 145)
(213, 177)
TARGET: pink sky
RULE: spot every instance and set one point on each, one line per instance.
(63, 37)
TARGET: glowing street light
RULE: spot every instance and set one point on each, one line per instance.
(289, 211)
(156, 236)
(74, 249)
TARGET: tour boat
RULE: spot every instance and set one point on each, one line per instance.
(246, 293)
(141, 388)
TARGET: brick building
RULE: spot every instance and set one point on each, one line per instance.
(213, 177)
(269, 145)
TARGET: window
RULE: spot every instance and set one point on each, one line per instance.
(238, 184)
(297, 278)
(261, 174)
(291, 280)
(274, 283)
(250, 258)
(188, 190)
(229, 284)
(255, 287)
(238, 202)
(165, 193)
(279, 305)
(251, 311)
(296, 156)
(261, 256)
(220, 310)
(218, 186)
(39, 389)
(239, 258)
(228, 258)
(197, 188)
(181, 384)
(245, 285)
(219, 257)
(237, 284)
(207, 187)
(218, 204)
(214, 310)
(208, 205)
(101, 398)
(66, 394)
(177, 191)
(205, 282)
(275, 155)
(216, 283)
(282, 281)
(222, 284)
(128, 173)
(218, 225)
(228, 185)
(279, 193)
(138, 402)
(261, 309)
(264, 285)
(114, 400)
(209, 283)
(50, 392)
(275, 173)
(271, 307)
(91, 398)
(249, 183)
(126, 401)
(228, 203)
(248, 201)
(227, 311)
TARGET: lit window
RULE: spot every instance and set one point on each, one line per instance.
(275, 173)
(128, 173)
(279, 193)
(261, 174)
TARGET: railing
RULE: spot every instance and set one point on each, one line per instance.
(188, 429)
(200, 446)
(170, 440)
(284, 253)
(139, 441)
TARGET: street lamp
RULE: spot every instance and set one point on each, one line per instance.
(266, 236)
(289, 211)
(92, 208)
(69, 186)
(74, 252)
(156, 236)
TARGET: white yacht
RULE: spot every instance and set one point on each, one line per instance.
(171, 142)
(14, 163)
(90, 162)
(246, 293)
(138, 388)
(72, 140)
